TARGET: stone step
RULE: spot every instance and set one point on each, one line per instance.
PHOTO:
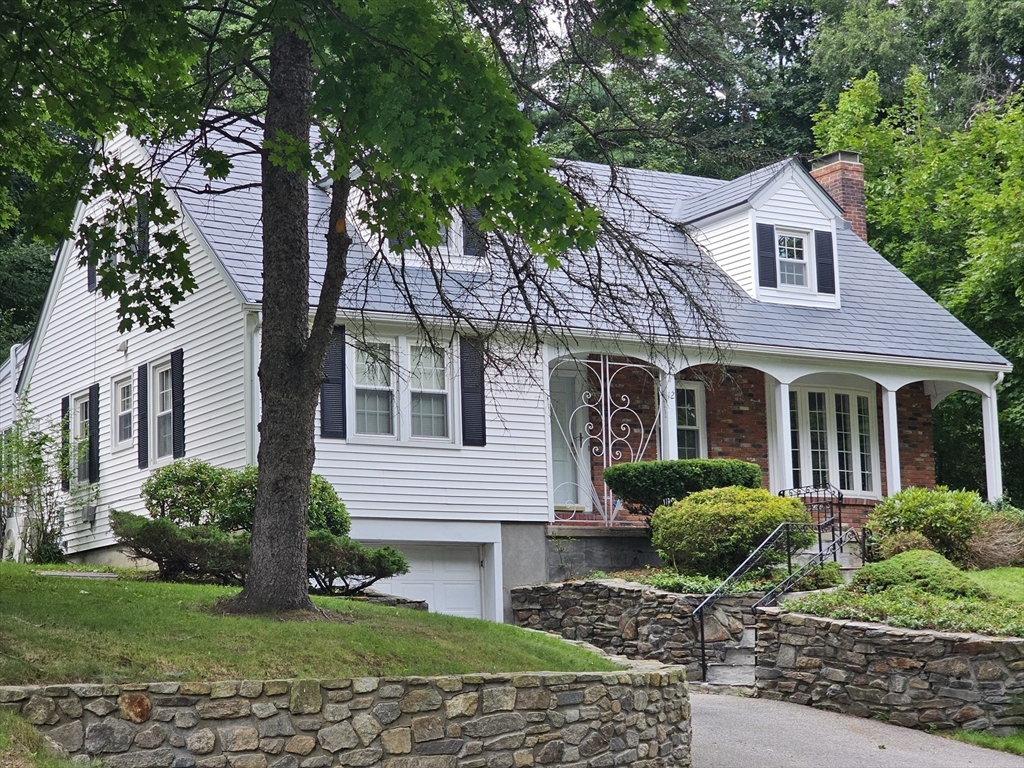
(749, 638)
(729, 674)
(740, 657)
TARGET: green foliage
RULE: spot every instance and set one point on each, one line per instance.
(824, 576)
(903, 541)
(921, 569)
(186, 492)
(341, 566)
(194, 552)
(1013, 743)
(647, 484)
(23, 746)
(712, 532)
(194, 492)
(948, 519)
(24, 276)
(916, 609)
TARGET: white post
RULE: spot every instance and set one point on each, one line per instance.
(990, 425)
(892, 441)
(783, 437)
(669, 423)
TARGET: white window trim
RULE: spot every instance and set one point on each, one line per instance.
(79, 440)
(402, 394)
(702, 424)
(117, 445)
(806, 477)
(395, 363)
(808, 262)
(447, 392)
(154, 413)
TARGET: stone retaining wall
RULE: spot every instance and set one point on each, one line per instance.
(916, 678)
(636, 718)
(634, 620)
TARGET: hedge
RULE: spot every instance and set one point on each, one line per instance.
(645, 485)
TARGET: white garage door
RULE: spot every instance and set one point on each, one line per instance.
(447, 576)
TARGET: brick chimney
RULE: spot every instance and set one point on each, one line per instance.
(841, 174)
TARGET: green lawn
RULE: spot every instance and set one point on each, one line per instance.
(57, 630)
(1007, 583)
(1013, 744)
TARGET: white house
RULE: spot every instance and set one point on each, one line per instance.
(833, 360)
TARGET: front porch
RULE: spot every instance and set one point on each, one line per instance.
(863, 426)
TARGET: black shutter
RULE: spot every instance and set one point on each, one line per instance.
(825, 262)
(473, 241)
(91, 277)
(766, 252)
(178, 403)
(93, 431)
(332, 391)
(142, 224)
(474, 426)
(142, 430)
(65, 443)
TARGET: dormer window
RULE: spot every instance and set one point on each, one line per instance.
(792, 259)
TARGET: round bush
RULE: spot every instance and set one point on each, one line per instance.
(998, 542)
(903, 541)
(236, 506)
(921, 569)
(185, 491)
(712, 532)
(947, 518)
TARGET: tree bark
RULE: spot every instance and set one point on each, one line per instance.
(289, 383)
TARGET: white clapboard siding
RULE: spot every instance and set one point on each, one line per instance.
(791, 206)
(728, 240)
(504, 480)
(77, 346)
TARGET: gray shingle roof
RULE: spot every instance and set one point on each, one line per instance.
(883, 312)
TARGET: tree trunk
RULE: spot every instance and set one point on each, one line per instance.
(289, 375)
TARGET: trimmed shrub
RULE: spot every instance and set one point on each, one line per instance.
(181, 553)
(920, 569)
(185, 492)
(947, 518)
(645, 485)
(341, 566)
(712, 532)
(903, 541)
(236, 506)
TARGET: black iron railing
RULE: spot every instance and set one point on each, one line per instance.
(771, 597)
(823, 501)
(781, 536)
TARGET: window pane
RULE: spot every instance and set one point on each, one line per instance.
(373, 365)
(686, 408)
(791, 247)
(164, 389)
(689, 443)
(818, 428)
(429, 415)
(82, 442)
(792, 273)
(125, 397)
(373, 412)
(794, 436)
(164, 445)
(844, 442)
(864, 431)
(125, 412)
(124, 427)
(427, 369)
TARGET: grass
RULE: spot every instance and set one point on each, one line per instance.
(916, 609)
(1013, 744)
(57, 630)
(22, 746)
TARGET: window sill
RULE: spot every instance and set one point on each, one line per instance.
(391, 440)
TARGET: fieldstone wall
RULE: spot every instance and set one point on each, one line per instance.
(636, 718)
(916, 678)
(634, 620)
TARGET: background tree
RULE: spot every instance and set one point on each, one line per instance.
(946, 207)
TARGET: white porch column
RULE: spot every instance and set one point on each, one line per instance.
(669, 439)
(892, 441)
(783, 438)
(993, 461)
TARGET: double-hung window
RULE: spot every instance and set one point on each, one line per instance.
(81, 424)
(792, 258)
(163, 405)
(375, 394)
(124, 412)
(834, 439)
(428, 392)
(690, 437)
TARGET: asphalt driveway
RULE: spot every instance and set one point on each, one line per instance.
(736, 732)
